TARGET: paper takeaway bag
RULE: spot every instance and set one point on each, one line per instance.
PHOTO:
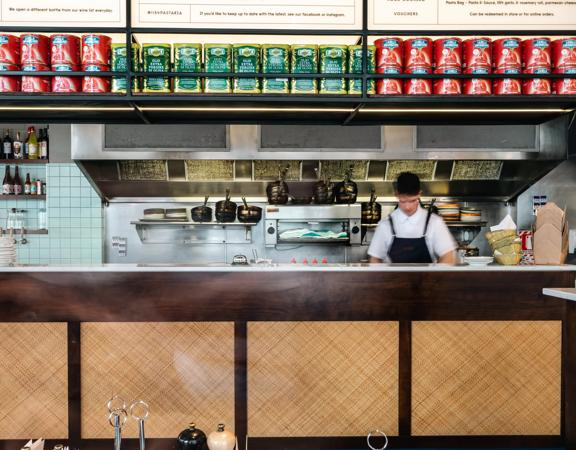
(551, 236)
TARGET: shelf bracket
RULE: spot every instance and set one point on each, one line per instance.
(140, 113)
(353, 114)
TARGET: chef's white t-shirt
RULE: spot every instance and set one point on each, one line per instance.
(439, 240)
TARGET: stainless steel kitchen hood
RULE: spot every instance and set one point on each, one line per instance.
(185, 163)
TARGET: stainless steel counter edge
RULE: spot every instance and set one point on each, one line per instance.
(286, 268)
(563, 293)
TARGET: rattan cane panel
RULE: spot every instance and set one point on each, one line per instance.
(486, 378)
(322, 378)
(185, 371)
(33, 381)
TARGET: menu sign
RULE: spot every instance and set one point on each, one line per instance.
(63, 13)
(292, 14)
(467, 14)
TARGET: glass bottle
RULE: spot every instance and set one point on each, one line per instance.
(7, 146)
(43, 143)
(33, 187)
(17, 183)
(17, 147)
(7, 183)
(27, 185)
(32, 144)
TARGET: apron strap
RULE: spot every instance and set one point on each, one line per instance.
(392, 225)
(427, 221)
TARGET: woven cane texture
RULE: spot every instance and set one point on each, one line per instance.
(322, 378)
(486, 378)
(33, 381)
(184, 371)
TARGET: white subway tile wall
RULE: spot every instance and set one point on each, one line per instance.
(74, 220)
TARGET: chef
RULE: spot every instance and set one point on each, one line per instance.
(411, 234)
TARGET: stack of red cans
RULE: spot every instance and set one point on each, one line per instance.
(96, 58)
(65, 50)
(448, 61)
(389, 60)
(9, 60)
(35, 57)
(564, 61)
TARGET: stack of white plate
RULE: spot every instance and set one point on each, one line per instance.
(450, 212)
(470, 215)
(7, 251)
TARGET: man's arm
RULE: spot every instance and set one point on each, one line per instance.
(448, 258)
(374, 260)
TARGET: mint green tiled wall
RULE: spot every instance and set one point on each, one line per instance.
(74, 221)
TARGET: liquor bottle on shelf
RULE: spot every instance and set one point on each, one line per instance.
(17, 147)
(17, 183)
(27, 185)
(38, 187)
(33, 187)
(43, 143)
(7, 183)
(7, 146)
(32, 144)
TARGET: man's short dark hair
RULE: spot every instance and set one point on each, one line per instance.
(407, 183)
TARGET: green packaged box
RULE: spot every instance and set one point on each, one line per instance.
(156, 58)
(304, 59)
(276, 59)
(217, 59)
(119, 63)
(355, 66)
(246, 59)
(187, 58)
(333, 59)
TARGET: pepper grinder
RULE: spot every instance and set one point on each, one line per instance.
(221, 439)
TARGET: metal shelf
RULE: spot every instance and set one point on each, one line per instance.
(22, 197)
(196, 224)
(15, 162)
(313, 241)
(18, 231)
(459, 224)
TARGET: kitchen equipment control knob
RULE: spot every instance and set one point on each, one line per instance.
(271, 230)
(355, 230)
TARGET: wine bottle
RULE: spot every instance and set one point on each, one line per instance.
(27, 185)
(32, 144)
(7, 146)
(7, 183)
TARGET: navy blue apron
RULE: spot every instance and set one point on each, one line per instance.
(410, 250)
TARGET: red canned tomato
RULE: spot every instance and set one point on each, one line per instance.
(447, 86)
(34, 49)
(95, 68)
(389, 55)
(507, 86)
(537, 86)
(564, 55)
(96, 85)
(418, 86)
(477, 86)
(36, 84)
(537, 55)
(389, 86)
(565, 86)
(96, 49)
(66, 84)
(65, 68)
(9, 84)
(507, 55)
(9, 49)
(65, 49)
(6, 67)
(477, 55)
(35, 68)
(418, 55)
(448, 55)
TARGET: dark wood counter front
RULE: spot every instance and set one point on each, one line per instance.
(294, 359)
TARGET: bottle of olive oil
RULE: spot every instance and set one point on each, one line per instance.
(32, 144)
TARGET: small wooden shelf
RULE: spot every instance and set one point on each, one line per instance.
(18, 162)
(22, 197)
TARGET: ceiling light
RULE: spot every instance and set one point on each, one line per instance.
(244, 109)
(465, 111)
(65, 108)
